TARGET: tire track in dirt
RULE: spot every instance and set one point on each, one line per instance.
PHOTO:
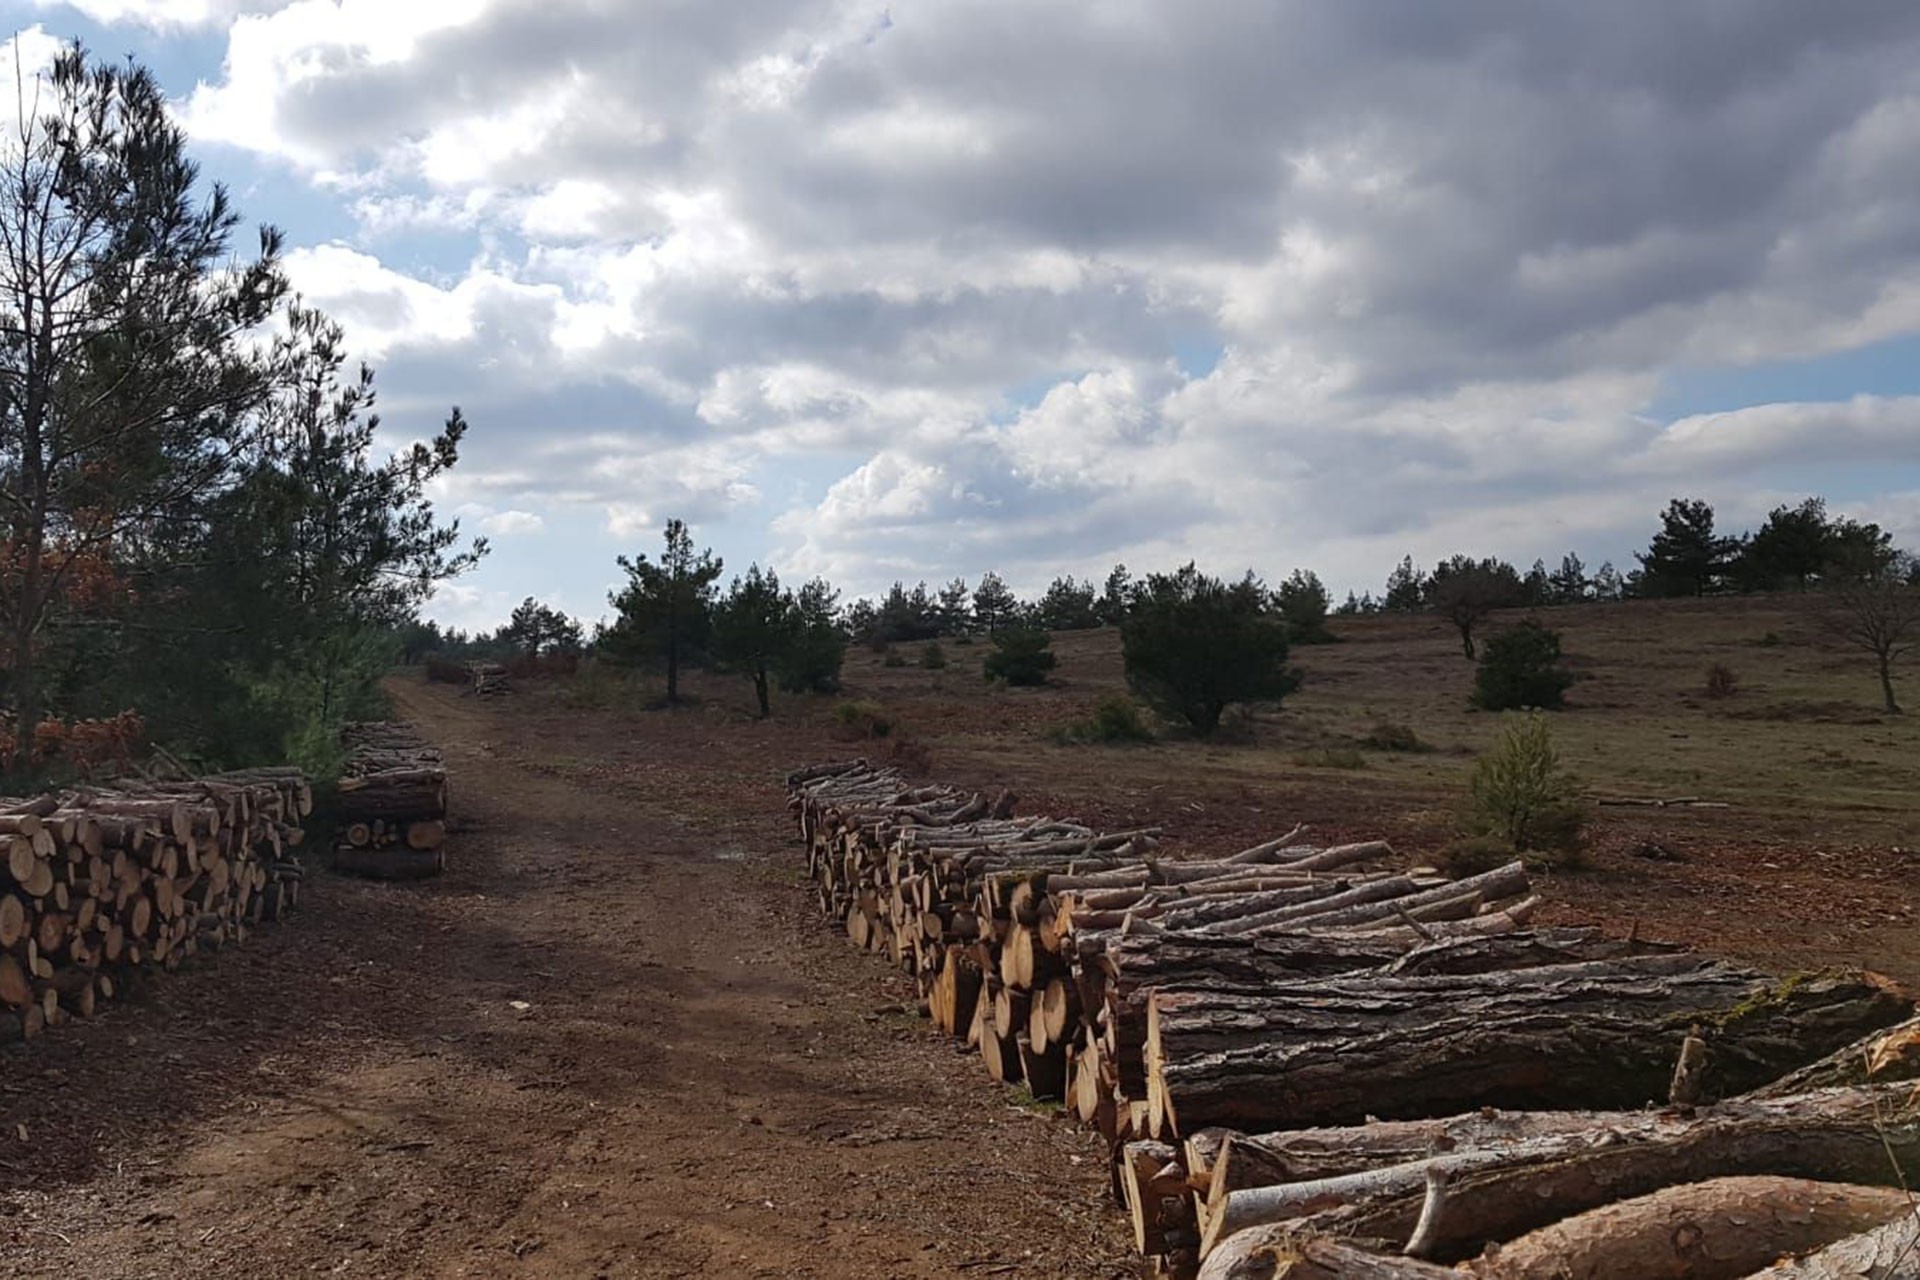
(703, 1082)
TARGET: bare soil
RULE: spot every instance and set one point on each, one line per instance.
(702, 1081)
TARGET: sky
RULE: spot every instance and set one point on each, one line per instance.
(921, 290)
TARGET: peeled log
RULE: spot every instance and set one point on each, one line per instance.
(1716, 1230)
(1834, 1135)
(1891, 1252)
(1601, 1035)
(1274, 1253)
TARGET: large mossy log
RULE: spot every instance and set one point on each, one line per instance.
(1601, 1035)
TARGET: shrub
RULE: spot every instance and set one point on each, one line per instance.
(1021, 656)
(1330, 758)
(1194, 645)
(933, 657)
(1520, 796)
(863, 719)
(1471, 855)
(1721, 682)
(1771, 640)
(1520, 668)
(1386, 735)
(1115, 719)
(893, 658)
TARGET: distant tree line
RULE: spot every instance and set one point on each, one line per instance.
(1194, 645)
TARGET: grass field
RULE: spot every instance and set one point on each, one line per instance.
(1817, 851)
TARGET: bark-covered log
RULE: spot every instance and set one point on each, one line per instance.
(1864, 1136)
(1720, 1229)
(1275, 1253)
(1891, 1252)
(1880, 1056)
(1601, 1035)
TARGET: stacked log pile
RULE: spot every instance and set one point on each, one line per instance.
(391, 806)
(487, 679)
(1295, 1041)
(99, 886)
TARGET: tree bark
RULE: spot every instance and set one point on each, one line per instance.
(1862, 1136)
(1720, 1229)
(1604, 1034)
(1891, 1252)
(1274, 1253)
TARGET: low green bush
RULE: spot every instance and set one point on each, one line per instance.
(1520, 796)
(1021, 656)
(933, 657)
(1115, 719)
(1520, 669)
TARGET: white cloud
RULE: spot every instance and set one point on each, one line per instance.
(509, 523)
(923, 274)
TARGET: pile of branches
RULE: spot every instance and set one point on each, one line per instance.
(391, 804)
(99, 887)
(1212, 1016)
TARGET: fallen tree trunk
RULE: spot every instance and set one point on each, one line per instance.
(1880, 1056)
(1862, 1136)
(1721, 1229)
(1274, 1253)
(1891, 1252)
(1601, 1035)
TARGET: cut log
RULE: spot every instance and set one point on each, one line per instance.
(1720, 1229)
(1863, 1136)
(1274, 1253)
(1890, 1054)
(1601, 1035)
(426, 835)
(1891, 1252)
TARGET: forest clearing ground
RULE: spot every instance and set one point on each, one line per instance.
(706, 1082)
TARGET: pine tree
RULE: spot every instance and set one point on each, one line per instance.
(1686, 557)
(665, 607)
(994, 606)
(131, 374)
(755, 626)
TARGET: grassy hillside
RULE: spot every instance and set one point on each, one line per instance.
(1801, 740)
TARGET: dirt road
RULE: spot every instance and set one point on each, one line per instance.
(701, 1082)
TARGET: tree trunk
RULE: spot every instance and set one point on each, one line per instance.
(1860, 1136)
(1466, 639)
(1891, 1252)
(1720, 1229)
(1602, 1034)
(673, 658)
(1272, 1252)
(760, 691)
(1886, 685)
